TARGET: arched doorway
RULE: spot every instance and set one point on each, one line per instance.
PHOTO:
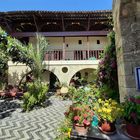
(54, 82)
(52, 79)
(83, 77)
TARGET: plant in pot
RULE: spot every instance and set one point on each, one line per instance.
(81, 95)
(107, 111)
(80, 116)
(132, 116)
(64, 130)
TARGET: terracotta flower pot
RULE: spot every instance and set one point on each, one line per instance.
(107, 126)
(81, 129)
(133, 130)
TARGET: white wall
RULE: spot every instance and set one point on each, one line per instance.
(93, 43)
(16, 71)
(56, 43)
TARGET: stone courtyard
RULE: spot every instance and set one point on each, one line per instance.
(39, 124)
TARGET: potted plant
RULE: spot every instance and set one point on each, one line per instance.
(107, 111)
(132, 116)
(80, 116)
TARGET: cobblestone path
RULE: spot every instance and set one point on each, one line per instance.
(39, 124)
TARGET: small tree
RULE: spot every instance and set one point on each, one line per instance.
(3, 58)
(32, 56)
(36, 53)
(36, 93)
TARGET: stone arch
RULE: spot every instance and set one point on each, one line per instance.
(72, 69)
(89, 72)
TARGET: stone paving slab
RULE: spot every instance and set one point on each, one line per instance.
(39, 124)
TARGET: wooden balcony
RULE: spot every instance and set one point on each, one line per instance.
(73, 55)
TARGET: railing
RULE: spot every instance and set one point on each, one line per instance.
(73, 55)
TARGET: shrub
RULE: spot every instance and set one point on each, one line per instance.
(35, 95)
(132, 110)
(108, 110)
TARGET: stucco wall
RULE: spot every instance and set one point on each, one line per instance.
(73, 67)
(16, 71)
(126, 15)
(56, 43)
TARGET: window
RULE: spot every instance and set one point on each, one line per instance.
(98, 41)
(79, 42)
(64, 69)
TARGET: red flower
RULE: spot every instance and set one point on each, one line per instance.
(86, 122)
(85, 116)
(76, 118)
(91, 113)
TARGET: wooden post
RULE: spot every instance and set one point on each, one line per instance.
(88, 46)
(64, 47)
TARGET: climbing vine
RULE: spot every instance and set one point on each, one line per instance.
(107, 71)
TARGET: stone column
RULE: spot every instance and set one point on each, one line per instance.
(126, 15)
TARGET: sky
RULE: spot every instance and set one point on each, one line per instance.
(55, 5)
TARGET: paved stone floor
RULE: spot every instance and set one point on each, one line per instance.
(39, 124)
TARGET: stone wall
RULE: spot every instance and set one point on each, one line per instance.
(126, 15)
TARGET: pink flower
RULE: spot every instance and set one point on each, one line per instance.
(100, 73)
(106, 56)
(74, 108)
(76, 118)
(91, 113)
(131, 99)
(79, 109)
(101, 62)
(133, 115)
(85, 115)
(113, 64)
(86, 122)
(137, 101)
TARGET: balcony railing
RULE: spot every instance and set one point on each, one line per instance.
(73, 55)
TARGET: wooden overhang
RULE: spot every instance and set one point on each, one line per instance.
(60, 34)
(56, 23)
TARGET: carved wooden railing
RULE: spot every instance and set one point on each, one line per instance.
(73, 55)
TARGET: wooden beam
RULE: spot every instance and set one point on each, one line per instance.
(63, 25)
(61, 34)
(8, 26)
(35, 23)
(88, 26)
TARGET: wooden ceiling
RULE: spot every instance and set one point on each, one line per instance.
(54, 21)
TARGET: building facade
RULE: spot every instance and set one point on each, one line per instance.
(76, 41)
